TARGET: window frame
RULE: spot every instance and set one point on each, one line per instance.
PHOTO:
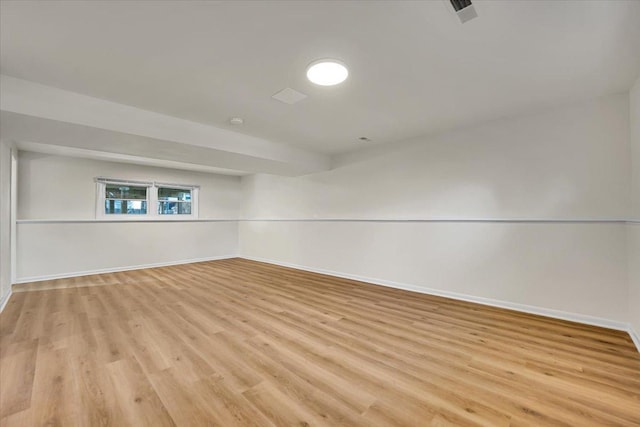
(194, 201)
(152, 201)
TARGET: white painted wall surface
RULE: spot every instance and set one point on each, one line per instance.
(64, 249)
(564, 163)
(634, 136)
(57, 187)
(634, 229)
(569, 163)
(5, 221)
(63, 188)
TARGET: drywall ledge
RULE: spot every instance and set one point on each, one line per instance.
(118, 269)
(122, 220)
(464, 220)
(556, 314)
(377, 220)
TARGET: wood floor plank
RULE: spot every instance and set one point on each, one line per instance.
(17, 370)
(231, 408)
(135, 395)
(181, 400)
(241, 343)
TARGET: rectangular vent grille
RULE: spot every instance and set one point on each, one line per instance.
(460, 4)
(464, 9)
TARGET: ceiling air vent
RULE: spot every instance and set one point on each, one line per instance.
(464, 9)
(289, 96)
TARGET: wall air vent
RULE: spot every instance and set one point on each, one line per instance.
(464, 9)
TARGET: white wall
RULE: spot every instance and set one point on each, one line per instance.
(567, 163)
(41, 177)
(634, 228)
(5, 221)
(62, 249)
(55, 189)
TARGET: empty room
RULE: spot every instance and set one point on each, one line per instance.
(320, 213)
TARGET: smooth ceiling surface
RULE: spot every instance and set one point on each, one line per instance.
(414, 68)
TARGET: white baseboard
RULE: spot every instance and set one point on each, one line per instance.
(556, 314)
(5, 300)
(635, 337)
(117, 269)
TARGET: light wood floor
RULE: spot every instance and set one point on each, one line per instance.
(240, 343)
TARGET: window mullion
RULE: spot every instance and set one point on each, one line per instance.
(152, 194)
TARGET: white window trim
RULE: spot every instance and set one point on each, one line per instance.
(152, 201)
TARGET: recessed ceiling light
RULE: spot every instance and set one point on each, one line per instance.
(236, 121)
(327, 72)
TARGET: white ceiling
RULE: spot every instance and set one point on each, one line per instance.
(414, 69)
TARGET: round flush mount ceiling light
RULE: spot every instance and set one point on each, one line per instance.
(327, 72)
(236, 121)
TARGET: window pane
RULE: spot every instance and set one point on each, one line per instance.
(174, 208)
(174, 194)
(115, 191)
(129, 207)
(184, 208)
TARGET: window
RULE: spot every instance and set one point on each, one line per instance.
(125, 200)
(120, 199)
(174, 201)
